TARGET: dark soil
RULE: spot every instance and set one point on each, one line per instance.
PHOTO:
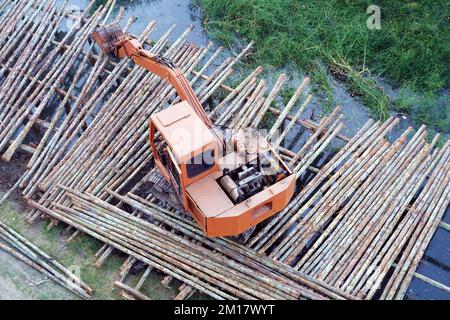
(10, 172)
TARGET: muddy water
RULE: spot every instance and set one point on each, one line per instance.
(165, 12)
(436, 263)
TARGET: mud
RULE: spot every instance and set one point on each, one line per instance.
(10, 172)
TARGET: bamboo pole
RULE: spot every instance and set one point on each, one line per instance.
(288, 107)
(276, 88)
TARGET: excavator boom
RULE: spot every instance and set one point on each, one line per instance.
(113, 41)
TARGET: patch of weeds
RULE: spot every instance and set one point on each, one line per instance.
(361, 84)
(53, 234)
(80, 253)
(99, 280)
(411, 48)
(319, 76)
(423, 108)
(97, 4)
(85, 245)
(155, 291)
(268, 119)
(286, 94)
(431, 134)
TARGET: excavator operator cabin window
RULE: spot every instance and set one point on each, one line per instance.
(200, 163)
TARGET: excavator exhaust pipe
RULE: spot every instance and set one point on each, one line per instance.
(108, 38)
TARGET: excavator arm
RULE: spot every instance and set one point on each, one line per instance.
(112, 41)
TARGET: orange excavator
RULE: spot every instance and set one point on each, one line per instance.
(228, 182)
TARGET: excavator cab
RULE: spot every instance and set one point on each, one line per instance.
(184, 148)
(226, 190)
(225, 193)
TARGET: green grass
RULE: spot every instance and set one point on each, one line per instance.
(78, 253)
(410, 50)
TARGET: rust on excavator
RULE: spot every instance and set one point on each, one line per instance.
(227, 185)
(108, 38)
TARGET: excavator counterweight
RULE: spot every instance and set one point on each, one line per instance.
(227, 185)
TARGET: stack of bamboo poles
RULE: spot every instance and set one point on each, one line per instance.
(38, 80)
(22, 98)
(424, 215)
(26, 251)
(217, 267)
(132, 292)
(65, 129)
(348, 226)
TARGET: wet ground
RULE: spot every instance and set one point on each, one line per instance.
(20, 282)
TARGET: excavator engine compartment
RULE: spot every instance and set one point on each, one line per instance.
(249, 179)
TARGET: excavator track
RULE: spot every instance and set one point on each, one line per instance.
(161, 189)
